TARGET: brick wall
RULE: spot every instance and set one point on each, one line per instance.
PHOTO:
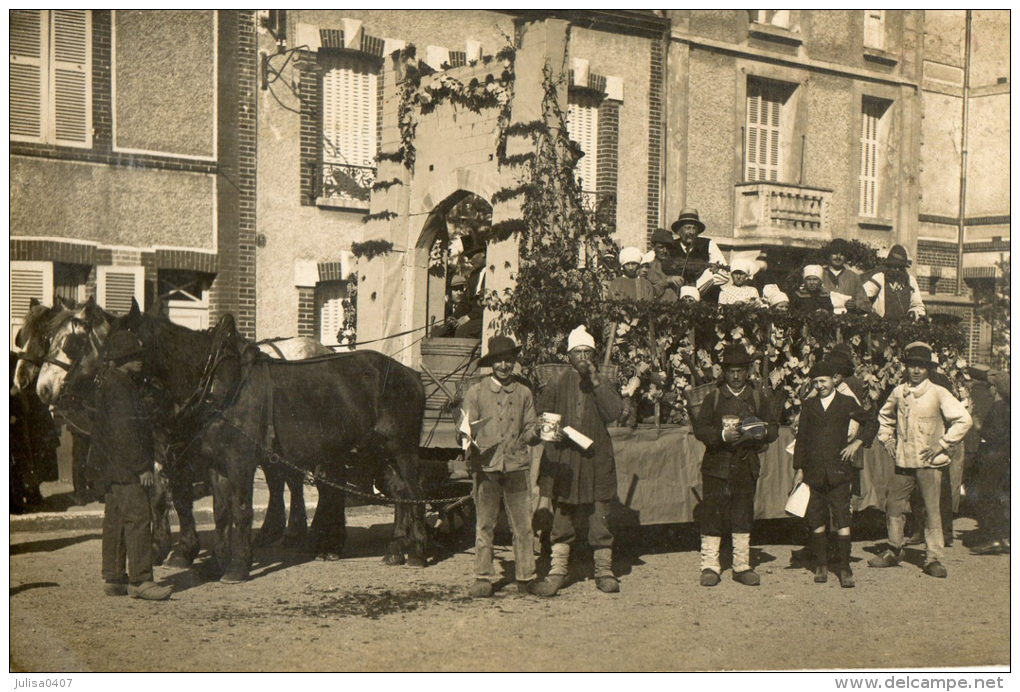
(102, 103)
(310, 90)
(606, 177)
(656, 112)
(246, 126)
(306, 317)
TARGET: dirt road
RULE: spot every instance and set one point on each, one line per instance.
(298, 614)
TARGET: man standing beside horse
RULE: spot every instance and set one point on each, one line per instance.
(499, 412)
(121, 461)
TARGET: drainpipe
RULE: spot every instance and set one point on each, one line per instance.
(963, 157)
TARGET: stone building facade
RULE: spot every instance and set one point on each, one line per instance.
(132, 160)
(231, 168)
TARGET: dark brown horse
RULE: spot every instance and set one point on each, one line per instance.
(353, 417)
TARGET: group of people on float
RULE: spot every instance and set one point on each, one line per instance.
(683, 264)
(920, 423)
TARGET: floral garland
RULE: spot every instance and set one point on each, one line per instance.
(663, 370)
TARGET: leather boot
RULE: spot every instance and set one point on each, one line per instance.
(846, 575)
(605, 581)
(710, 568)
(820, 550)
(557, 572)
(742, 571)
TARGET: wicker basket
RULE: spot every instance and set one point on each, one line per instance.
(695, 396)
(547, 372)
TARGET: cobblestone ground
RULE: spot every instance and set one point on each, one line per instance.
(299, 614)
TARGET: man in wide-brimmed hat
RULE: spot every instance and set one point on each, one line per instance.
(700, 259)
(735, 423)
(892, 290)
(121, 462)
(919, 425)
(499, 416)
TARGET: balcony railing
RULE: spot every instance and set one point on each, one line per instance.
(781, 210)
(346, 185)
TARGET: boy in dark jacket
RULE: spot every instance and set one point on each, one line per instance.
(735, 424)
(824, 460)
(121, 461)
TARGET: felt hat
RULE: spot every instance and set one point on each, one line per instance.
(688, 215)
(690, 292)
(661, 235)
(580, 337)
(735, 355)
(897, 257)
(630, 254)
(458, 280)
(918, 353)
(813, 270)
(823, 368)
(499, 346)
(122, 345)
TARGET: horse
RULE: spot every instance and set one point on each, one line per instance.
(345, 415)
(83, 332)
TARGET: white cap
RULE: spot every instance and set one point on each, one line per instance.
(648, 257)
(813, 270)
(777, 297)
(580, 337)
(768, 290)
(742, 265)
(690, 292)
(630, 254)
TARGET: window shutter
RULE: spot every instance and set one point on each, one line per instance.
(349, 94)
(764, 104)
(583, 128)
(874, 29)
(27, 72)
(116, 286)
(329, 296)
(71, 64)
(28, 280)
(871, 113)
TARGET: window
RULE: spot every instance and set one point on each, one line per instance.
(583, 128)
(767, 128)
(874, 126)
(780, 18)
(50, 72)
(349, 123)
(329, 308)
(187, 297)
(874, 29)
(116, 286)
(28, 280)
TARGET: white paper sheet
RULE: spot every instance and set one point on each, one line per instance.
(578, 438)
(797, 503)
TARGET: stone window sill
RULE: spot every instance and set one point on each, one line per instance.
(881, 57)
(778, 34)
(342, 204)
(874, 223)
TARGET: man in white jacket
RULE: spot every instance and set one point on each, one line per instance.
(918, 425)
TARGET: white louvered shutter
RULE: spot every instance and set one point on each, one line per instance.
(70, 59)
(874, 29)
(116, 286)
(871, 114)
(28, 280)
(583, 128)
(329, 298)
(28, 73)
(764, 107)
(349, 94)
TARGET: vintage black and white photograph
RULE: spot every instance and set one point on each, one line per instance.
(470, 340)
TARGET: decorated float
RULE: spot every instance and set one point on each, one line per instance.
(479, 154)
